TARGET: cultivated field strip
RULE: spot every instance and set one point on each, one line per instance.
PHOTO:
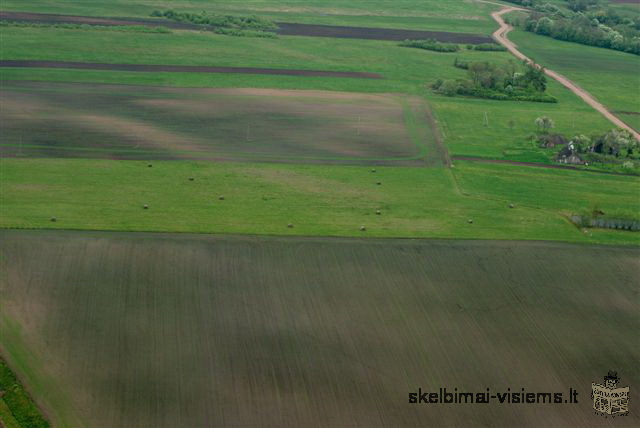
(137, 122)
(120, 329)
(164, 68)
(285, 28)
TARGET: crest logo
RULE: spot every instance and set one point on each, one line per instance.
(608, 398)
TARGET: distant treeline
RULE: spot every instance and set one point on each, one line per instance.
(583, 21)
(253, 26)
(434, 45)
(498, 82)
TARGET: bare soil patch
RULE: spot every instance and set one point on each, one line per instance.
(134, 122)
(156, 68)
(161, 330)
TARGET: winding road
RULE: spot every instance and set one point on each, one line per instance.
(500, 35)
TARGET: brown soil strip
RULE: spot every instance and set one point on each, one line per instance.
(184, 69)
(538, 165)
(286, 28)
(500, 35)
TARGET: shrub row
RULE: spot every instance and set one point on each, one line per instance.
(488, 47)
(431, 45)
(219, 21)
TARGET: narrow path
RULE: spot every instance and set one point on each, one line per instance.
(500, 35)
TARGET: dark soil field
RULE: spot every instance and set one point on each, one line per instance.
(285, 28)
(142, 122)
(156, 68)
(115, 329)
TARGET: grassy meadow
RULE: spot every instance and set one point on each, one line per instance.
(162, 330)
(320, 200)
(611, 76)
(468, 16)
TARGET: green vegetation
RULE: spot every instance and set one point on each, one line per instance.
(431, 45)
(225, 21)
(487, 47)
(471, 17)
(586, 22)
(612, 77)
(16, 407)
(169, 330)
(69, 26)
(617, 146)
(497, 82)
(228, 25)
(264, 198)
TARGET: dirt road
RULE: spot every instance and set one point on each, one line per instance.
(500, 35)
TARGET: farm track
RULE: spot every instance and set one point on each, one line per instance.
(500, 35)
(158, 68)
(286, 28)
(537, 165)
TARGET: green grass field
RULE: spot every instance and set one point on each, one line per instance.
(320, 200)
(164, 330)
(469, 17)
(270, 305)
(611, 76)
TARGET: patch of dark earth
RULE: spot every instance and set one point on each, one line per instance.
(285, 28)
(154, 68)
(539, 165)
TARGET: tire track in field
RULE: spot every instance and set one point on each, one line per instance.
(500, 35)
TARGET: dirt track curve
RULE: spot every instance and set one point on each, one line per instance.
(500, 35)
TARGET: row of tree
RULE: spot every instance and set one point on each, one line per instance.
(583, 21)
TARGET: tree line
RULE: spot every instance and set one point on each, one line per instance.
(583, 21)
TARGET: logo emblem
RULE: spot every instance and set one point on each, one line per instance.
(608, 398)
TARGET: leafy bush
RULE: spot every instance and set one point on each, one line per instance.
(489, 47)
(498, 82)
(219, 21)
(460, 64)
(431, 45)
